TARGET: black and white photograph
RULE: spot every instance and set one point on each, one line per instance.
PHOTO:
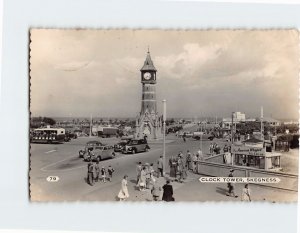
(126, 115)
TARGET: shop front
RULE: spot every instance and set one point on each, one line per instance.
(255, 157)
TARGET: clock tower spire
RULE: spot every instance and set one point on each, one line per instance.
(148, 123)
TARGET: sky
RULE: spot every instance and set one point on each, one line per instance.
(200, 73)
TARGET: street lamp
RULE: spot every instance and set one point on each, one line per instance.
(201, 137)
(164, 133)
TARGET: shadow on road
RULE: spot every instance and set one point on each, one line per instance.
(221, 190)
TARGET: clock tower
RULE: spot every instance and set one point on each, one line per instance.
(148, 123)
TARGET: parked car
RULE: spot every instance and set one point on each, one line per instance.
(204, 136)
(135, 146)
(119, 147)
(99, 153)
(89, 147)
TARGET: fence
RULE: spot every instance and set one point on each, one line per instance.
(213, 166)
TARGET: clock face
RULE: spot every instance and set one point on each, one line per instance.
(147, 76)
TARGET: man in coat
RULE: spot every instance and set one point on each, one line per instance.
(91, 171)
(230, 186)
(160, 167)
(97, 171)
(189, 160)
(168, 192)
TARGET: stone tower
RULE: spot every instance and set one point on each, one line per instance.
(148, 123)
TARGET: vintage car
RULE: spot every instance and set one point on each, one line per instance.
(135, 146)
(90, 145)
(203, 136)
(99, 153)
(119, 147)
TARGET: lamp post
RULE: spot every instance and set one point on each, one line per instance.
(201, 137)
(164, 133)
(232, 155)
(91, 125)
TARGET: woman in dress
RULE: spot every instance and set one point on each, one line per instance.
(246, 193)
(142, 181)
(123, 194)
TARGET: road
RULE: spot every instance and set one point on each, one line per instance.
(62, 160)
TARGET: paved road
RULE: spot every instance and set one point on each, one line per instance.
(62, 160)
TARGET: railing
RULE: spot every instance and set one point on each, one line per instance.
(210, 168)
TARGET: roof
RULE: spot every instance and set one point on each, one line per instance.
(252, 140)
(269, 119)
(148, 64)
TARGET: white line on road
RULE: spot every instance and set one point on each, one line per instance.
(50, 151)
(51, 164)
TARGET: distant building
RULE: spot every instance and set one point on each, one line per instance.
(238, 117)
(271, 121)
(250, 120)
(291, 123)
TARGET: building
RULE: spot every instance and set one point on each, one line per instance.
(271, 121)
(238, 117)
(148, 123)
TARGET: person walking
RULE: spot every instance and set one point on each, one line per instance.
(151, 170)
(184, 137)
(142, 180)
(148, 175)
(180, 169)
(90, 177)
(246, 193)
(168, 192)
(160, 167)
(97, 171)
(123, 193)
(189, 160)
(230, 186)
(172, 164)
(194, 163)
(155, 191)
(103, 174)
(138, 172)
(110, 172)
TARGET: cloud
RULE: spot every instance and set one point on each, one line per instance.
(199, 72)
(72, 66)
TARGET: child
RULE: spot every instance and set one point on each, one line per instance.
(103, 174)
(110, 171)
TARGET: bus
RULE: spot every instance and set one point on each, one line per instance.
(47, 135)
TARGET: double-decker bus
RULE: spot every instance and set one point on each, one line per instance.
(47, 135)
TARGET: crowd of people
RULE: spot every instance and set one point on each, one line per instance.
(147, 176)
(96, 174)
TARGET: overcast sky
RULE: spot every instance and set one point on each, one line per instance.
(200, 73)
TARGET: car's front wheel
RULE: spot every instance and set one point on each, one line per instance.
(133, 151)
(99, 158)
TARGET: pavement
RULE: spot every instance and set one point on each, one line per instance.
(62, 160)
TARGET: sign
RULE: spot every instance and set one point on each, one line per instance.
(255, 151)
(254, 180)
